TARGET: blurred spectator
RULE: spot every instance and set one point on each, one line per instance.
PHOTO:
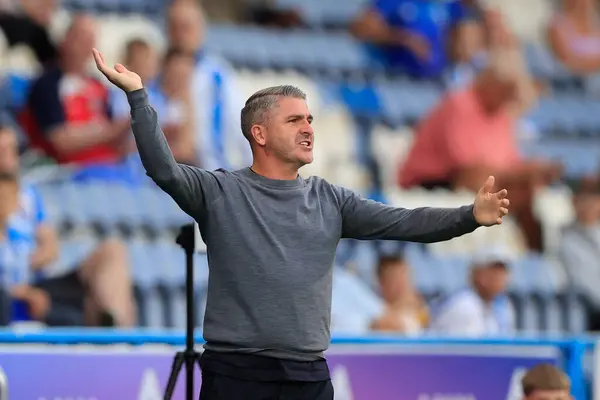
(574, 36)
(579, 247)
(97, 291)
(468, 52)
(171, 97)
(406, 311)
(484, 309)
(546, 381)
(142, 58)
(28, 25)
(471, 134)
(68, 112)
(410, 35)
(480, 41)
(215, 98)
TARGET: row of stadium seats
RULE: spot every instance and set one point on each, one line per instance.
(158, 271)
(404, 102)
(330, 52)
(331, 13)
(111, 206)
(150, 8)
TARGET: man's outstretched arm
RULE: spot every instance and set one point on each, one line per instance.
(367, 219)
(191, 187)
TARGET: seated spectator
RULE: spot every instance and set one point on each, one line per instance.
(545, 381)
(28, 25)
(574, 36)
(140, 57)
(484, 309)
(579, 247)
(215, 99)
(483, 40)
(470, 134)
(468, 53)
(406, 311)
(410, 35)
(68, 114)
(171, 97)
(96, 292)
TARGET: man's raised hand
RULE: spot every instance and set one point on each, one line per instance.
(490, 207)
(119, 75)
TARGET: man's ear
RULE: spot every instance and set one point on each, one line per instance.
(259, 134)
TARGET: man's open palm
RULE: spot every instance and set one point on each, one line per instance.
(490, 207)
(119, 75)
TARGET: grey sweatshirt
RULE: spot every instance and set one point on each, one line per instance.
(271, 244)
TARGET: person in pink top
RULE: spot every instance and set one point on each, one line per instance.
(574, 36)
(471, 133)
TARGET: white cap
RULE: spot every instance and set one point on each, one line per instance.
(493, 254)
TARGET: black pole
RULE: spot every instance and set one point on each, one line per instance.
(191, 323)
(186, 239)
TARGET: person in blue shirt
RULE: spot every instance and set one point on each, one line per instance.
(96, 290)
(411, 35)
(19, 300)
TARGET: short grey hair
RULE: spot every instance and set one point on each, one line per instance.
(262, 101)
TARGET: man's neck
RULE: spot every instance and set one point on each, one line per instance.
(279, 171)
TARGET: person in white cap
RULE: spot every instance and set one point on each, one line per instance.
(483, 309)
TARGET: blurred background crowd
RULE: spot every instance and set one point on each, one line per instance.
(415, 103)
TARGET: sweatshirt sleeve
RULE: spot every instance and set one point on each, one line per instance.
(192, 188)
(367, 219)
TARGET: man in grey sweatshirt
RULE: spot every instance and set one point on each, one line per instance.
(271, 237)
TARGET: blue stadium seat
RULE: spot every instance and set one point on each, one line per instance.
(451, 273)
(324, 13)
(423, 270)
(544, 65)
(303, 50)
(579, 157)
(540, 274)
(125, 208)
(74, 206)
(404, 101)
(145, 274)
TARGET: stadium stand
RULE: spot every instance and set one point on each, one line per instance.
(331, 66)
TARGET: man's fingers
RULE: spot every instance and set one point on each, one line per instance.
(503, 211)
(502, 194)
(489, 184)
(101, 64)
(504, 203)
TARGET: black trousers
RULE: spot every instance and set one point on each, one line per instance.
(254, 377)
(221, 387)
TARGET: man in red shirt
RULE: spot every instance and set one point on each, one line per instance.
(471, 133)
(68, 115)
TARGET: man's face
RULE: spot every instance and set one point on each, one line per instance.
(79, 41)
(492, 278)
(549, 395)
(288, 133)
(184, 28)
